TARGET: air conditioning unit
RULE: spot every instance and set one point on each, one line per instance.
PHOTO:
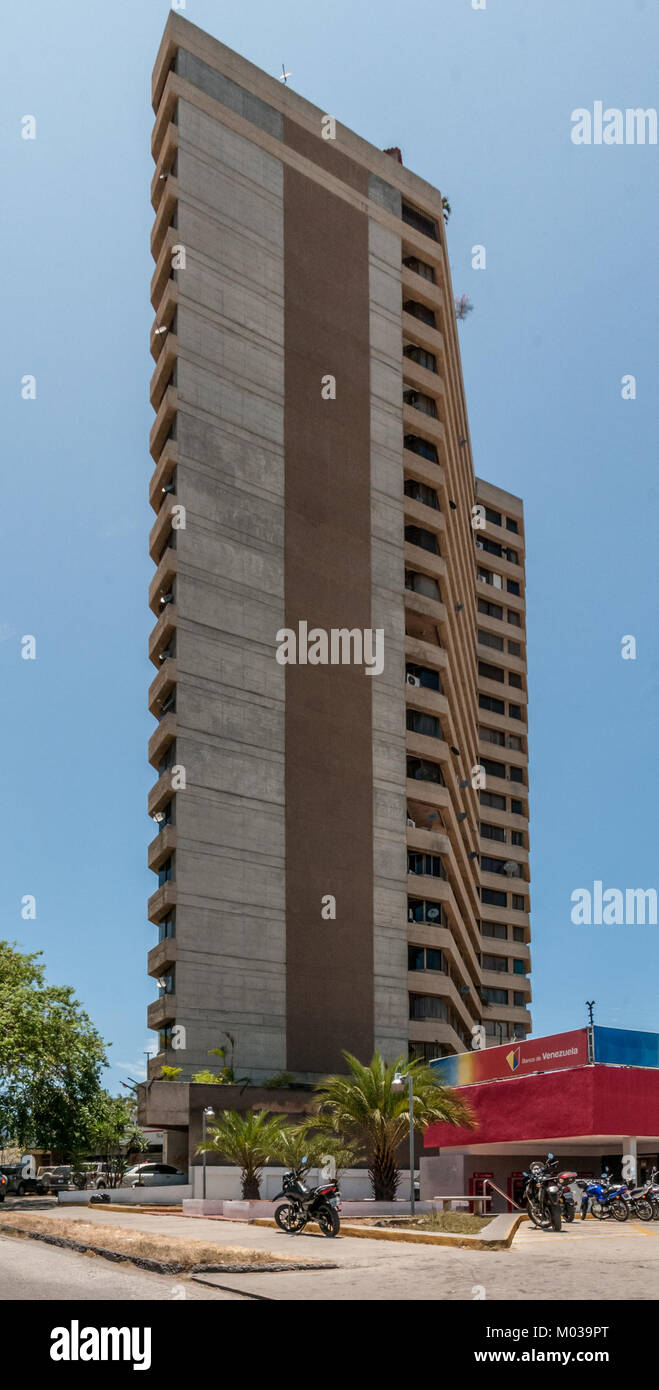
(413, 680)
(479, 545)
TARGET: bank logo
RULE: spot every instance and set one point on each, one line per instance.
(513, 1058)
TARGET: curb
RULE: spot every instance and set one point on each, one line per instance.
(500, 1239)
(160, 1266)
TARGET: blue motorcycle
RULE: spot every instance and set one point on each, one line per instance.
(606, 1199)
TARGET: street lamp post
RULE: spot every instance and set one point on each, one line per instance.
(207, 1111)
(398, 1084)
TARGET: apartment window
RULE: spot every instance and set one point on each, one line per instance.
(517, 838)
(420, 221)
(426, 724)
(494, 929)
(491, 673)
(494, 769)
(515, 679)
(427, 540)
(519, 902)
(517, 807)
(420, 312)
(492, 547)
(168, 985)
(494, 996)
(493, 799)
(490, 702)
(425, 958)
(429, 865)
(512, 586)
(490, 639)
(518, 934)
(167, 928)
(493, 610)
(168, 706)
(420, 492)
(422, 447)
(514, 618)
(425, 675)
(423, 584)
(493, 736)
(519, 967)
(511, 524)
(420, 268)
(419, 401)
(515, 648)
(165, 1038)
(515, 743)
(166, 871)
(492, 866)
(418, 910)
(519, 999)
(423, 771)
(428, 1051)
(493, 897)
(494, 517)
(514, 711)
(511, 555)
(488, 577)
(493, 832)
(421, 357)
(517, 774)
(499, 963)
(428, 1006)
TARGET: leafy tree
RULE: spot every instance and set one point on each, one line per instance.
(115, 1135)
(364, 1106)
(169, 1073)
(51, 1058)
(247, 1138)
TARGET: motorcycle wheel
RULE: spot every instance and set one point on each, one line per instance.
(536, 1214)
(643, 1209)
(289, 1218)
(555, 1216)
(328, 1220)
(620, 1209)
(568, 1214)
(597, 1209)
(655, 1209)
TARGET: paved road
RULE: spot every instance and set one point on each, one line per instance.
(30, 1271)
(590, 1260)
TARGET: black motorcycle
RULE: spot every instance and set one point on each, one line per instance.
(568, 1204)
(542, 1194)
(303, 1204)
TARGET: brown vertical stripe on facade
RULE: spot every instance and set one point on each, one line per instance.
(329, 830)
(325, 154)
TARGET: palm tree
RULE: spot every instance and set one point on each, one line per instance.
(247, 1138)
(363, 1106)
(304, 1141)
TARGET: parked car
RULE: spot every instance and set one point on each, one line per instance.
(3, 1186)
(19, 1183)
(153, 1175)
(57, 1178)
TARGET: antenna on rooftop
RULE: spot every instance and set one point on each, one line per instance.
(284, 74)
(590, 1005)
(463, 306)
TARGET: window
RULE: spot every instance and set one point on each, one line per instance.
(493, 897)
(491, 673)
(165, 1037)
(490, 639)
(494, 996)
(494, 929)
(519, 902)
(492, 547)
(420, 492)
(428, 1051)
(490, 702)
(499, 963)
(515, 742)
(511, 524)
(420, 268)
(511, 555)
(166, 871)
(514, 711)
(517, 838)
(168, 985)
(425, 958)
(518, 998)
(492, 866)
(426, 724)
(419, 311)
(428, 864)
(493, 799)
(514, 618)
(517, 774)
(425, 675)
(422, 447)
(517, 807)
(518, 934)
(167, 928)
(427, 540)
(420, 221)
(488, 577)
(494, 517)
(421, 357)
(494, 769)
(493, 610)
(428, 1006)
(493, 736)
(420, 401)
(423, 771)
(515, 679)
(166, 820)
(519, 967)
(512, 586)
(493, 832)
(423, 584)
(515, 648)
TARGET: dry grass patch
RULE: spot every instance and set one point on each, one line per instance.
(141, 1245)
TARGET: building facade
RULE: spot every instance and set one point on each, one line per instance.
(322, 841)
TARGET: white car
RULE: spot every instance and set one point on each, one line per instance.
(153, 1175)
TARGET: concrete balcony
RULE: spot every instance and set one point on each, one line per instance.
(161, 902)
(166, 157)
(423, 562)
(163, 579)
(161, 957)
(163, 270)
(426, 653)
(425, 700)
(427, 842)
(161, 847)
(163, 632)
(163, 423)
(420, 514)
(161, 1012)
(162, 685)
(161, 528)
(164, 215)
(162, 474)
(162, 738)
(164, 317)
(161, 376)
(436, 750)
(431, 794)
(160, 794)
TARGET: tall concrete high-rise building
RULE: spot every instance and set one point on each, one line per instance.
(341, 851)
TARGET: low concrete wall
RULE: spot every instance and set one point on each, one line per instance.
(130, 1196)
(224, 1183)
(250, 1211)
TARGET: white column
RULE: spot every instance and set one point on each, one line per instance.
(629, 1161)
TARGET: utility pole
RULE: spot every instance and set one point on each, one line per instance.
(590, 1005)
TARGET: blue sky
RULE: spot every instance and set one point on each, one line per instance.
(480, 103)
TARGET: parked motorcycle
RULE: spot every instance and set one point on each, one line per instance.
(568, 1204)
(542, 1194)
(303, 1204)
(606, 1199)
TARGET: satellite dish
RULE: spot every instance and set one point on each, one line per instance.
(511, 868)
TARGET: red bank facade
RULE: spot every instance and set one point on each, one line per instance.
(590, 1096)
